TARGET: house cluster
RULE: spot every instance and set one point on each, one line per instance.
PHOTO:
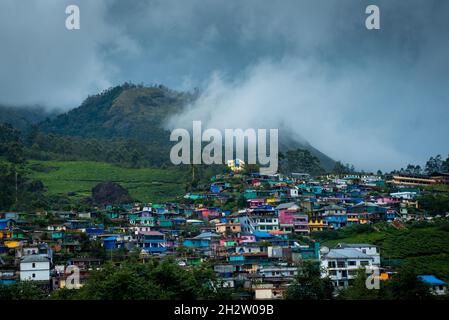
(254, 229)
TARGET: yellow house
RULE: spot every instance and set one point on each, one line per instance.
(317, 224)
(236, 165)
(233, 225)
(353, 218)
(5, 234)
(12, 244)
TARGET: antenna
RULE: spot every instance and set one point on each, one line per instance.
(16, 188)
(324, 250)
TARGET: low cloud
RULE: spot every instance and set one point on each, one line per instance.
(377, 99)
(302, 97)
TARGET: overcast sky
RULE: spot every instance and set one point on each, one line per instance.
(377, 99)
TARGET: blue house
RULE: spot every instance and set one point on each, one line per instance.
(336, 221)
(215, 188)
(260, 235)
(94, 231)
(196, 243)
(437, 286)
(152, 241)
(111, 243)
(6, 223)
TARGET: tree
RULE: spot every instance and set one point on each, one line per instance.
(23, 290)
(413, 170)
(341, 168)
(445, 165)
(308, 284)
(405, 285)
(11, 145)
(434, 165)
(241, 202)
(358, 290)
(152, 280)
(300, 160)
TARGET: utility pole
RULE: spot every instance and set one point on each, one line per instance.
(16, 187)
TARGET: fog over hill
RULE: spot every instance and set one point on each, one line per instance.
(146, 115)
(377, 99)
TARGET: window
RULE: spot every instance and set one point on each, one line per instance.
(332, 273)
(33, 275)
(33, 265)
(331, 264)
(340, 283)
(364, 263)
(341, 264)
(351, 263)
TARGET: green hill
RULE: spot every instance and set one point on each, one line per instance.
(423, 246)
(77, 178)
(23, 118)
(130, 113)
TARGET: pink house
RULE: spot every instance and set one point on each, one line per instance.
(386, 200)
(247, 238)
(255, 202)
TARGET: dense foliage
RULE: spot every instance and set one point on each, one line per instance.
(423, 247)
(300, 161)
(404, 285)
(308, 284)
(133, 280)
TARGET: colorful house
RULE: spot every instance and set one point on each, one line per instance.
(152, 241)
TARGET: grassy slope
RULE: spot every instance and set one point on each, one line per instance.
(147, 184)
(424, 248)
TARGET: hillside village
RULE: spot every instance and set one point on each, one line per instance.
(254, 231)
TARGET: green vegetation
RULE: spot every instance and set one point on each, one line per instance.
(404, 285)
(435, 202)
(133, 280)
(24, 290)
(300, 160)
(308, 284)
(421, 246)
(77, 178)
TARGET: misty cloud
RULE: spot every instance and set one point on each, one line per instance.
(43, 63)
(377, 99)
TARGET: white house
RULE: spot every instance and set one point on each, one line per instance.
(342, 265)
(294, 192)
(259, 223)
(406, 195)
(35, 268)
(437, 286)
(369, 249)
(278, 272)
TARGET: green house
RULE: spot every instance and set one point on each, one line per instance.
(146, 221)
(165, 223)
(55, 235)
(250, 194)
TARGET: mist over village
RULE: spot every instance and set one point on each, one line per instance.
(248, 151)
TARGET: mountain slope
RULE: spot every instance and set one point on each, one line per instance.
(23, 117)
(138, 113)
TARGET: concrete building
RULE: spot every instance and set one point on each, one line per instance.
(342, 265)
(35, 268)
